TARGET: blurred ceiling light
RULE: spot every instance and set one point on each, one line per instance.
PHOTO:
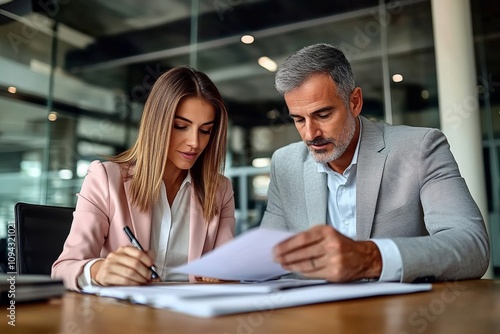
(397, 78)
(247, 39)
(261, 162)
(268, 64)
(52, 116)
(65, 174)
(82, 167)
(424, 94)
(272, 114)
(12, 90)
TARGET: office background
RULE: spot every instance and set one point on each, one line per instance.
(74, 75)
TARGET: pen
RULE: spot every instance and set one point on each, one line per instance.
(137, 245)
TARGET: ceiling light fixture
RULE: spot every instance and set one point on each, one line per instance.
(268, 64)
(12, 90)
(397, 78)
(52, 116)
(247, 39)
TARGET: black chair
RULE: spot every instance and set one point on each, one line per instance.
(41, 231)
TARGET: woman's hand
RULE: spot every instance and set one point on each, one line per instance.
(125, 266)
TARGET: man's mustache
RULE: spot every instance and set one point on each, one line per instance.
(320, 141)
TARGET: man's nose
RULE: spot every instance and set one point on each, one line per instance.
(311, 131)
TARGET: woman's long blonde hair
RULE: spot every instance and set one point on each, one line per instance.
(147, 158)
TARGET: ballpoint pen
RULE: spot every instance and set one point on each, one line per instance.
(137, 245)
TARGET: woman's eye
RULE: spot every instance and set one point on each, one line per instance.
(179, 127)
(206, 132)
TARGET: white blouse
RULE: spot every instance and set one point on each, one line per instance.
(170, 232)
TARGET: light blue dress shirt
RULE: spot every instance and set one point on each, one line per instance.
(342, 215)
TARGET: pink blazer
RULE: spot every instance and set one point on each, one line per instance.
(104, 208)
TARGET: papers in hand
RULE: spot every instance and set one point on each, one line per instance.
(248, 257)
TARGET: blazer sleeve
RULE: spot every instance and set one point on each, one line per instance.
(89, 228)
(225, 232)
(457, 246)
(274, 217)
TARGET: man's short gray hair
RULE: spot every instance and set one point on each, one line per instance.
(316, 59)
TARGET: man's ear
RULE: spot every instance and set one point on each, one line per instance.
(356, 101)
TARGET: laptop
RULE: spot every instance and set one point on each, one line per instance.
(29, 288)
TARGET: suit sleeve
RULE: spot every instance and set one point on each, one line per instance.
(274, 217)
(89, 228)
(457, 246)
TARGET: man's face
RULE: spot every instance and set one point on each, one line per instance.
(326, 125)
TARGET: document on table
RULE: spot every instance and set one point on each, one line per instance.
(210, 300)
(248, 257)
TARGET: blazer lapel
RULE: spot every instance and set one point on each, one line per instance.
(198, 229)
(141, 221)
(316, 192)
(368, 177)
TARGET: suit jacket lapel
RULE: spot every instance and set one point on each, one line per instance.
(368, 177)
(141, 221)
(316, 192)
(198, 229)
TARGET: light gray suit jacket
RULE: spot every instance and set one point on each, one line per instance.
(408, 189)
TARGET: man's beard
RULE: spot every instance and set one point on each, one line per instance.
(340, 145)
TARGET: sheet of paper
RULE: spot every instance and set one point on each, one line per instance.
(169, 293)
(230, 304)
(248, 257)
(210, 300)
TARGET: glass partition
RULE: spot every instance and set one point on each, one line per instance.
(74, 76)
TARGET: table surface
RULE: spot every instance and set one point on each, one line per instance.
(451, 307)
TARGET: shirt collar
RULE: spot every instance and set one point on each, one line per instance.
(187, 180)
(324, 168)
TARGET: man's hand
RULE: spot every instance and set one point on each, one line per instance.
(125, 266)
(322, 252)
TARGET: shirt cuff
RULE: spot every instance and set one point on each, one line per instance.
(85, 279)
(392, 263)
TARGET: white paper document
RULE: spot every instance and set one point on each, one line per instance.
(248, 257)
(210, 300)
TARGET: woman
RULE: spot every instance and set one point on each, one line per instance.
(167, 188)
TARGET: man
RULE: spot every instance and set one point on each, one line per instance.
(371, 200)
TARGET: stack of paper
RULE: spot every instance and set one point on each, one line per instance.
(246, 258)
(209, 300)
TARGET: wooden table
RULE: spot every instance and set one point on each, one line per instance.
(471, 307)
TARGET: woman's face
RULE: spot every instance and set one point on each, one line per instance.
(193, 122)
